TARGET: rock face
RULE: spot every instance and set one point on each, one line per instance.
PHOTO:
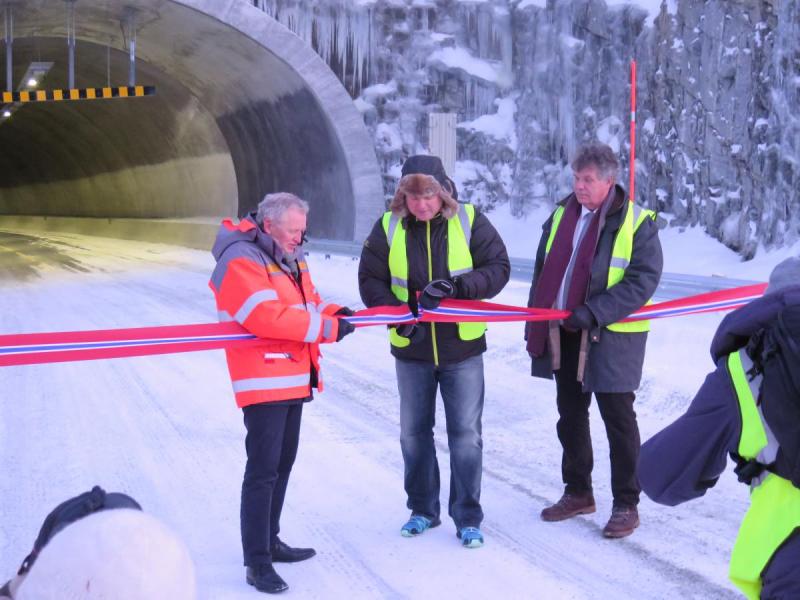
(724, 143)
(718, 98)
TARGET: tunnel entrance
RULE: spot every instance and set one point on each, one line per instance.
(242, 108)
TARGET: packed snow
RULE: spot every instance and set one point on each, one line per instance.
(688, 250)
(499, 125)
(460, 58)
(166, 431)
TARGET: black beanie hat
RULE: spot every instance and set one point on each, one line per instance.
(424, 164)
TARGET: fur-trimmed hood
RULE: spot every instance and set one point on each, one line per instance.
(420, 183)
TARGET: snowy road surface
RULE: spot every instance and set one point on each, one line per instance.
(166, 430)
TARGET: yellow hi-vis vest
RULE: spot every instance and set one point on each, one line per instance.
(620, 254)
(459, 261)
(774, 511)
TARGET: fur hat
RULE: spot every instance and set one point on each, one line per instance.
(785, 274)
(123, 554)
(430, 165)
(425, 175)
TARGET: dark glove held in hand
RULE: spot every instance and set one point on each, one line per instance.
(345, 312)
(413, 332)
(581, 318)
(435, 292)
(345, 328)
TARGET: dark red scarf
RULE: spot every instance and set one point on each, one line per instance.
(555, 265)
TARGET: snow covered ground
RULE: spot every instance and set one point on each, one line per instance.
(166, 431)
(688, 251)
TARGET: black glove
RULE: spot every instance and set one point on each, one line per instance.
(435, 292)
(345, 312)
(345, 328)
(581, 318)
(413, 332)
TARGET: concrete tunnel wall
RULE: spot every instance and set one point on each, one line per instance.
(243, 107)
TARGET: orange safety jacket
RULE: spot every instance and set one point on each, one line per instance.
(253, 288)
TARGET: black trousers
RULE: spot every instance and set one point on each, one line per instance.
(273, 433)
(618, 415)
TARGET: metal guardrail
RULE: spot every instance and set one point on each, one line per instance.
(672, 285)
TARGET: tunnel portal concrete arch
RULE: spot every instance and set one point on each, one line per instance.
(243, 107)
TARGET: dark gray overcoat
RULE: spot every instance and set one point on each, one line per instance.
(614, 360)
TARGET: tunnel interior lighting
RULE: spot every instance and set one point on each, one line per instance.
(34, 75)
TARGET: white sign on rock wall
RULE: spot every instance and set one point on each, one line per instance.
(442, 139)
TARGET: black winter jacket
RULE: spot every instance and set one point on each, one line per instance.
(491, 271)
(685, 459)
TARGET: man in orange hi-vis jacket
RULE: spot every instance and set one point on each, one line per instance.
(262, 281)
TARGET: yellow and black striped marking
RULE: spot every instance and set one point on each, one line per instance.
(78, 94)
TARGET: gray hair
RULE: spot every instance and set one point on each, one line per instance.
(274, 206)
(598, 155)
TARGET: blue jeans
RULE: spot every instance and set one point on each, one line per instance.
(462, 389)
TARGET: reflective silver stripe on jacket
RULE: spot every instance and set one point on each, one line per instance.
(224, 316)
(327, 326)
(619, 263)
(270, 383)
(314, 326)
(637, 210)
(314, 323)
(253, 301)
(463, 217)
(394, 220)
(769, 453)
(465, 226)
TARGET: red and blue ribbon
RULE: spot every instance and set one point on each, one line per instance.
(38, 348)
(454, 311)
(450, 311)
(64, 346)
(701, 303)
(382, 315)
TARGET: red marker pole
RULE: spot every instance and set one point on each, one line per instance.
(633, 131)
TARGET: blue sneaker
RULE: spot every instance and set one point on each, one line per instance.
(417, 524)
(471, 537)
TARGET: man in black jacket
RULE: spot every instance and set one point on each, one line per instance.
(600, 258)
(427, 242)
(755, 424)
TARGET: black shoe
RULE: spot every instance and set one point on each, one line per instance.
(265, 579)
(282, 553)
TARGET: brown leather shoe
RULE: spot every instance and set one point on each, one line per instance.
(570, 505)
(624, 519)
